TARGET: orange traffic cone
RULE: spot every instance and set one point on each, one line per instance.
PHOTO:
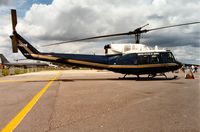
(189, 74)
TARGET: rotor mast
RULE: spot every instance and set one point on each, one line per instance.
(137, 33)
(137, 38)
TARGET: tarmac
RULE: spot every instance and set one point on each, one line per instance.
(98, 101)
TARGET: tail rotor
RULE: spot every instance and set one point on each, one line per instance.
(14, 36)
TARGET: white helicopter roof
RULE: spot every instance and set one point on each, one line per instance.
(131, 48)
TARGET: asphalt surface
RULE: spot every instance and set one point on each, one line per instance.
(97, 101)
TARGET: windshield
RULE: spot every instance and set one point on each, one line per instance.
(156, 57)
(167, 57)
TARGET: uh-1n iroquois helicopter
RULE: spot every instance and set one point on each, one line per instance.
(136, 59)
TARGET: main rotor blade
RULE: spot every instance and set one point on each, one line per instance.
(172, 26)
(14, 18)
(96, 37)
(136, 31)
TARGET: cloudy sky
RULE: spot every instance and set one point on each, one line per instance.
(48, 21)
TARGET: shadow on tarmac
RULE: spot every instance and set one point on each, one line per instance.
(108, 79)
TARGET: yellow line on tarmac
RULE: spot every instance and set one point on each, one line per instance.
(20, 116)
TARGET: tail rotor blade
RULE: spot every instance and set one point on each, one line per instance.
(14, 36)
(14, 45)
(14, 18)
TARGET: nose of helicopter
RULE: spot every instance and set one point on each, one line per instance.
(179, 64)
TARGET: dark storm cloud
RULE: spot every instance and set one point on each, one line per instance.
(171, 39)
(4, 2)
(11, 2)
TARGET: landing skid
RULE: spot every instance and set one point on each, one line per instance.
(124, 77)
(151, 76)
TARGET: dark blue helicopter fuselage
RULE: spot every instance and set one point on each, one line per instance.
(132, 63)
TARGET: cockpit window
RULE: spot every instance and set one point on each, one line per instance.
(155, 58)
(148, 58)
(143, 59)
(167, 57)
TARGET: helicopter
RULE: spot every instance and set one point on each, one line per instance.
(8, 64)
(135, 59)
